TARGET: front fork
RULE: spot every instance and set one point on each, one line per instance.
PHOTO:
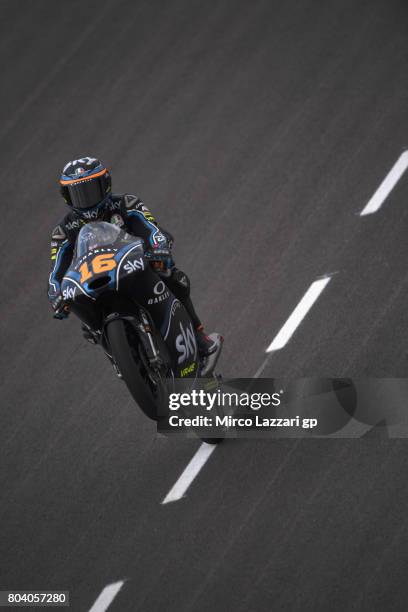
(143, 328)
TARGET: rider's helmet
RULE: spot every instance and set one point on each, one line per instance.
(86, 186)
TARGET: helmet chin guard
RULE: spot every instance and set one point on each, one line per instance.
(93, 213)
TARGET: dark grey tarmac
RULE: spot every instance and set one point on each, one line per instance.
(257, 132)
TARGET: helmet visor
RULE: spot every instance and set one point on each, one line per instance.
(87, 193)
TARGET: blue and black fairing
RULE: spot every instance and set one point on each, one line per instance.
(109, 262)
(103, 242)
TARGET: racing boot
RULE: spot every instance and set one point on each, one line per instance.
(95, 337)
(206, 344)
(89, 334)
(209, 349)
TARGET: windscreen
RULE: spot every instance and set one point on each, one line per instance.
(98, 234)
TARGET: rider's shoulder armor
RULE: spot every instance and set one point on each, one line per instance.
(133, 202)
(58, 233)
(132, 207)
(67, 229)
(130, 201)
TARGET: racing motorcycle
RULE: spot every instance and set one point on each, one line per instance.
(143, 328)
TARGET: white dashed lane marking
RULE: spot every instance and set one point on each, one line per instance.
(107, 596)
(193, 468)
(297, 316)
(386, 186)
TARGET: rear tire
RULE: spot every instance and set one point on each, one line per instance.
(131, 368)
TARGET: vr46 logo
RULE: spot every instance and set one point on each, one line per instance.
(186, 343)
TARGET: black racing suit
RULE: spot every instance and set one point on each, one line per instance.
(129, 212)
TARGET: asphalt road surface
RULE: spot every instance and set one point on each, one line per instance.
(257, 132)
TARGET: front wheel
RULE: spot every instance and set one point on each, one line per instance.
(132, 369)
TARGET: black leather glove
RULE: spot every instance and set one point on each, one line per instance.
(162, 255)
(61, 310)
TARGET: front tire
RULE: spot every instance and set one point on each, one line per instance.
(132, 368)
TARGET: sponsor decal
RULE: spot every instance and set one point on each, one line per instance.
(69, 293)
(188, 370)
(90, 214)
(74, 224)
(58, 233)
(113, 205)
(159, 237)
(186, 343)
(161, 293)
(130, 200)
(159, 298)
(159, 288)
(133, 265)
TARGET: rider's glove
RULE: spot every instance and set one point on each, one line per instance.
(160, 258)
(61, 310)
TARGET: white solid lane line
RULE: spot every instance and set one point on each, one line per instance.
(199, 459)
(387, 185)
(107, 596)
(298, 314)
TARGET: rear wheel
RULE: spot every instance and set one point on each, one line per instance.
(147, 394)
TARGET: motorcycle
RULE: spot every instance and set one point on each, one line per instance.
(143, 328)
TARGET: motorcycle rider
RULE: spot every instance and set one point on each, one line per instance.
(85, 185)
